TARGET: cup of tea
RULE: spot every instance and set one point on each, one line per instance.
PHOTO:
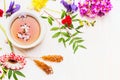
(26, 29)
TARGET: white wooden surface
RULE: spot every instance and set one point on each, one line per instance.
(101, 60)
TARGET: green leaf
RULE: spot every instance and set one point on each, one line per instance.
(77, 38)
(74, 16)
(65, 34)
(49, 21)
(51, 18)
(64, 42)
(19, 73)
(74, 39)
(68, 39)
(60, 40)
(55, 28)
(14, 76)
(5, 70)
(71, 41)
(79, 27)
(74, 20)
(87, 23)
(74, 45)
(92, 23)
(75, 34)
(63, 27)
(79, 41)
(78, 31)
(76, 48)
(9, 74)
(44, 17)
(82, 46)
(0, 48)
(56, 35)
(63, 14)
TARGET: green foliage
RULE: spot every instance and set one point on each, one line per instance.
(19, 73)
(9, 74)
(56, 35)
(93, 23)
(65, 34)
(50, 20)
(14, 76)
(44, 17)
(74, 16)
(76, 41)
(4, 72)
(15, 73)
(55, 28)
(63, 31)
(63, 14)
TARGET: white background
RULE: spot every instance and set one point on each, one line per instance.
(100, 61)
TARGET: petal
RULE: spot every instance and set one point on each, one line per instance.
(63, 21)
(74, 7)
(10, 7)
(17, 7)
(66, 5)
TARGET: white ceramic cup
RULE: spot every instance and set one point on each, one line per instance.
(37, 17)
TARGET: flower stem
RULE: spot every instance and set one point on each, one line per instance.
(53, 10)
(52, 17)
(5, 7)
(9, 43)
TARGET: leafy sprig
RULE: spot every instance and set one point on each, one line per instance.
(68, 35)
(15, 73)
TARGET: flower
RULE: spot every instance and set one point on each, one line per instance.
(12, 8)
(67, 21)
(38, 4)
(1, 12)
(93, 8)
(70, 7)
(12, 61)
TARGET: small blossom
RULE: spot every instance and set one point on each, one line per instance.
(70, 7)
(24, 34)
(12, 8)
(12, 61)
(67, 21)
(39, 4)
(1, 12)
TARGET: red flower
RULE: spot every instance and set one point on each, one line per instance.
(1, 12)
(67, 21)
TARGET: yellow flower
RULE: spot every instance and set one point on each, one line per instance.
(38, 4)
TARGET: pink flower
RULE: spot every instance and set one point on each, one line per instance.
(93, 8)
(12, 61)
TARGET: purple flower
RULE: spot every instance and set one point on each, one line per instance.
(12, 8)
(93, 8)
(70, 7)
